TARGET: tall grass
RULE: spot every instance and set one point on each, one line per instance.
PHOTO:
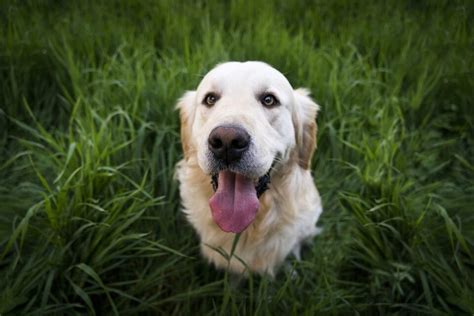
(89, 208)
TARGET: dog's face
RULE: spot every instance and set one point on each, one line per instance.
(243, 119)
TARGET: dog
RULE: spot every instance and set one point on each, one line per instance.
(248, 139)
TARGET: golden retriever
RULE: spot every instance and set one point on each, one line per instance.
(248, 139)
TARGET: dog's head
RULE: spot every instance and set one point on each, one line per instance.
(243, 119)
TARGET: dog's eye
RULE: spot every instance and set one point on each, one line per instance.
(210, 99)
(269, 100)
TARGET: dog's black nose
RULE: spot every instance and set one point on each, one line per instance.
(228, 143)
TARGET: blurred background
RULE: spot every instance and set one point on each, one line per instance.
(90, 219)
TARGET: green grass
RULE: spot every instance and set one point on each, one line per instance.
(89, 208)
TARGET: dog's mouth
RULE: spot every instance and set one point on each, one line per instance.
(235, 203)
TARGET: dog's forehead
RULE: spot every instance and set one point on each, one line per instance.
(242, 75)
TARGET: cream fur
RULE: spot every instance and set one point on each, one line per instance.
(289, 210)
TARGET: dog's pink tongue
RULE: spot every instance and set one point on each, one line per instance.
(235, 203)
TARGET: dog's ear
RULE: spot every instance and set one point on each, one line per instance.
(186, 114)
(304, 120)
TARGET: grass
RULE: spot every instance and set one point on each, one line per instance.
(89, 208)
